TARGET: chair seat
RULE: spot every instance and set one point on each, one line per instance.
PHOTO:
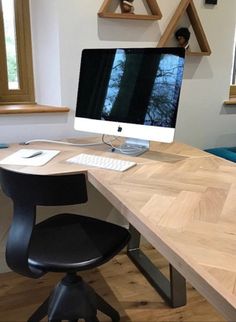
(69, 242)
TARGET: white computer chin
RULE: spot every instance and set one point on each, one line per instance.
(136, 136)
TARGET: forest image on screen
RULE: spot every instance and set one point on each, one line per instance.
(132, 87)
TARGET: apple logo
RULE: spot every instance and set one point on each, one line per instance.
(119, 129)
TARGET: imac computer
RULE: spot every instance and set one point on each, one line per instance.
(130, 92)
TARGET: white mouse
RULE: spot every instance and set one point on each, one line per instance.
(30, 153)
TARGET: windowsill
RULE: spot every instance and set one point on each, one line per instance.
(31, 108)
(232, 96)
(231, 101)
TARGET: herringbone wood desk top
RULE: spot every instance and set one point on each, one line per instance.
(182, 200)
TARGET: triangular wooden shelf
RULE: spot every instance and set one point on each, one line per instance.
(188, 7)
(104, 12)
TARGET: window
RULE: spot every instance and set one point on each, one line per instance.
(234, 67)
(232, 91)
(16, 77)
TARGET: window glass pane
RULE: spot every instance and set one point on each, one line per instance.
(234, 63)
(10, 37)
(234, 67)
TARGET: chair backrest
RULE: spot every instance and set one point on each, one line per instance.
(44, 190)
(27, 191)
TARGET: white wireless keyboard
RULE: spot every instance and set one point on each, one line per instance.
(102, 162)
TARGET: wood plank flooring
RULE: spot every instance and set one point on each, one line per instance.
(119, 282)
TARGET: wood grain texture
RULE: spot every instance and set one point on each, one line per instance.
(182, 200)
(31, 108)
(119, 282)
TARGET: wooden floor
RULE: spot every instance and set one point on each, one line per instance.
(119, 282)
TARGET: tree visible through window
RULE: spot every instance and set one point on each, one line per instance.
(16, 77)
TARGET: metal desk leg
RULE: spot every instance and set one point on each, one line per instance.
(173, 291)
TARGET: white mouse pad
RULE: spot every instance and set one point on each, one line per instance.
(22, 157)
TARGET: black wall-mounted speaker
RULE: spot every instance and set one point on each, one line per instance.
(210, 1)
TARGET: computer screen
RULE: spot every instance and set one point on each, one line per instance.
(130, 92)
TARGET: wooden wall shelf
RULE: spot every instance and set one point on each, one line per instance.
(187, 6)
(106, 12)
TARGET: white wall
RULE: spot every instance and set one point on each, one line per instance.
(62, 28)
(46, 53)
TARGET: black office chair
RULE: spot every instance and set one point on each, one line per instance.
(63, 243)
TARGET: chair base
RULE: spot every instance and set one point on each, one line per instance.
(73, 299)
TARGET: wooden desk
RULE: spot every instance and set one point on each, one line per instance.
(182, 200)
